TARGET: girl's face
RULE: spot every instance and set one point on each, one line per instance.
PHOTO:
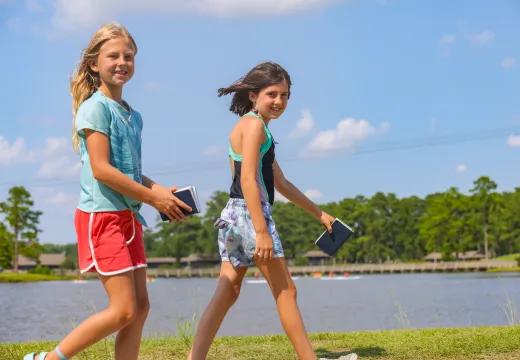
(271, 101)
(115, 62)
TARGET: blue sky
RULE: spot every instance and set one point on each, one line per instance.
(368, 75)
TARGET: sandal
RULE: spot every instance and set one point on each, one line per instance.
(42, 355)
(32, 356)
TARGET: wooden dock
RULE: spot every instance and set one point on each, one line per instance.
(439, 267)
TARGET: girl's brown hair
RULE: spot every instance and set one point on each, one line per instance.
(84, 81)
(261, 76)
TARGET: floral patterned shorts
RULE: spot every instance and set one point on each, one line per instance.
(237, 236)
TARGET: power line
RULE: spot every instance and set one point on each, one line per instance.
(429, 141)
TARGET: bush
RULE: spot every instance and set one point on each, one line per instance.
(42, 270)
(518, 260)
(301, 260)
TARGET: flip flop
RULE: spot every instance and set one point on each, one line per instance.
(42, 355)
(32, 356)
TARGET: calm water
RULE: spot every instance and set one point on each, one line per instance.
(47, 311)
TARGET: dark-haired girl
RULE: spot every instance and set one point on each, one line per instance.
(247, 233)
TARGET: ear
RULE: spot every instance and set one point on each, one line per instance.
(252, 97)
(92, 64)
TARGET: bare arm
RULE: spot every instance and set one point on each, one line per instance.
(160, 198)
(292, 193)
(99, 152)
(253, 132)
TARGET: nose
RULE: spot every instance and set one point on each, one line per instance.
(121, 61)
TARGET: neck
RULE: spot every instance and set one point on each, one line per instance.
(113, 92)
(264, 119)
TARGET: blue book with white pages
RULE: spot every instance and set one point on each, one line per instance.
(330, 243)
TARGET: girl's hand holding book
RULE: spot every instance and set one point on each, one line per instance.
(326, 221)
(168, 204)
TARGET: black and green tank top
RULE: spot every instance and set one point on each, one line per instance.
(264, 173)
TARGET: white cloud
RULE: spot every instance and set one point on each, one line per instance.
(73, 15)
(55, 146)
(212, 150)
(61, 198)
(303, 126)
(508, 63)
(461, 168)
(482, 38)
(384, 128)
(313, 194)
(60, 168)
(514, 140)
(347, 134)
(15, 153)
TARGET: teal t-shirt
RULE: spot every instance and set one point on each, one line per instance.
(123, 128)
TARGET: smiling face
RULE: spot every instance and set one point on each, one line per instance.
(115, 62)
(271, 101)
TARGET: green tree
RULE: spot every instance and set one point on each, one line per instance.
(178, 239)
(23, 223)
(207, 243)
(483, 191)
(6, 247)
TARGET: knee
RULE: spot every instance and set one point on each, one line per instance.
(230, 293)
(287, 293)
(125, 314)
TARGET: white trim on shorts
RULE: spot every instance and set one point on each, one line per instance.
(94, 262)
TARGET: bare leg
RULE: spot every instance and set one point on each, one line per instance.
(121, 312)
(128, 340)
(282, 286)
(227, 292)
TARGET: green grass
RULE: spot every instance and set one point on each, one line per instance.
(24, 277)
(500, 270)
(509, 257)
(482, 343)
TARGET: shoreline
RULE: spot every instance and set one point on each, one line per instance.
(8, 277)
(496, 342)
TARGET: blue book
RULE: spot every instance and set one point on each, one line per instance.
(330, 243)
(187, 195)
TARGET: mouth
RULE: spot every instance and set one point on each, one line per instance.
(276, 109)
(121, 72)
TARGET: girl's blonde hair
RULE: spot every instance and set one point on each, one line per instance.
(84, 81)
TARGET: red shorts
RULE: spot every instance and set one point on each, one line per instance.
(109, 243)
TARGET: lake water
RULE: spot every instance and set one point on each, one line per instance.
(47, 311)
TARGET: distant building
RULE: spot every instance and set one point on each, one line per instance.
(52, 261)
(201, 260)
(156, 262)
(317, 257)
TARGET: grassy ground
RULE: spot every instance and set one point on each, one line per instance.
(483, 343)
(22, 277)
(501, 270)
(508, 257)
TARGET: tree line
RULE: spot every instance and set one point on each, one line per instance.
(387, 228)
